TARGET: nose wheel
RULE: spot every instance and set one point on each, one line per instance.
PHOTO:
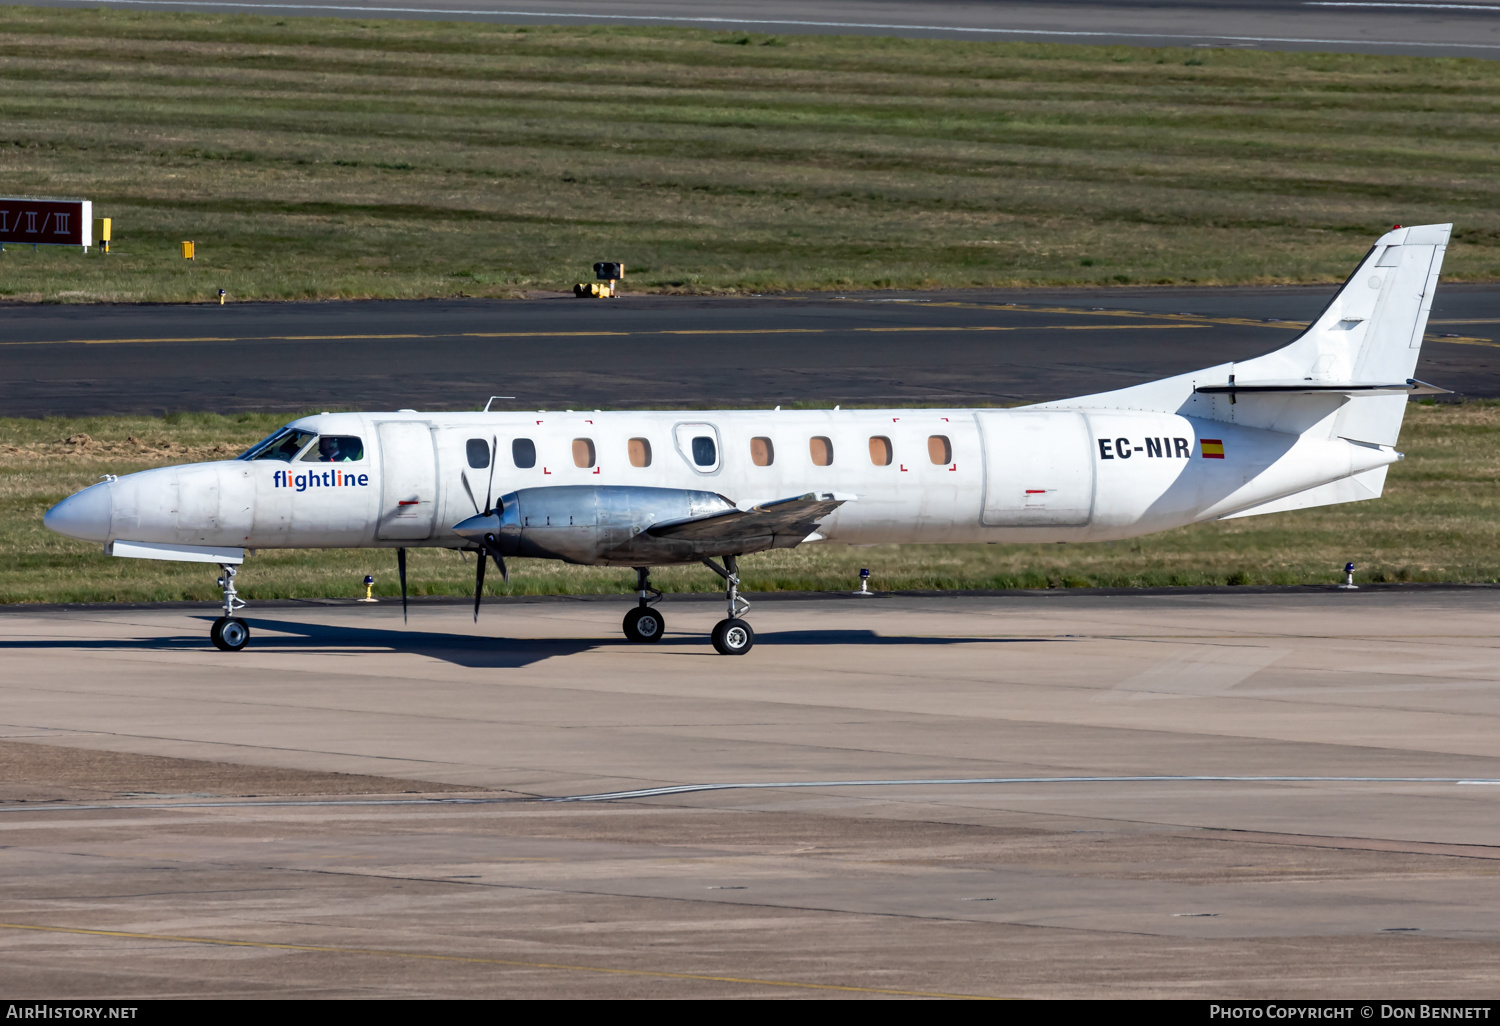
(229, 633)
(644, 624)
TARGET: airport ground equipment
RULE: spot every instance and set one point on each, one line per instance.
(1314, 423)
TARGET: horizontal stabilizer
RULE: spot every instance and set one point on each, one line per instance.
(787, 520)
(1307, 386)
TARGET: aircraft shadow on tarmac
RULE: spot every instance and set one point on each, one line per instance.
(467, 649)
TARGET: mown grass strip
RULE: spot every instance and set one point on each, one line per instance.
(340, 158)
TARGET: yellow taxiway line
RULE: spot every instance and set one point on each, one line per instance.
(579, 334)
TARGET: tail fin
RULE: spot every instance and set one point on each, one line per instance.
(1348, 374)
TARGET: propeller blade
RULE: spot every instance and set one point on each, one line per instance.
(478, 584)
(489, 489)
(401, 568)
(500, 562)
(464, 476)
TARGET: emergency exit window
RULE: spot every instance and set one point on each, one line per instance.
(940, 450)
(881, 451)
(583, 452)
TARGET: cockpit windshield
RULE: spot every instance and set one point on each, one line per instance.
(284, 445)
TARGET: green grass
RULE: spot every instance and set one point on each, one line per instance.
(338, 158)
(1436, 522)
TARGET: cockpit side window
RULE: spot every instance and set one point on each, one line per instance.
(284, 445)
(336, 449)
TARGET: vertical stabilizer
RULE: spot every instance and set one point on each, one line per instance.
(1370, 333)
(1321, 384)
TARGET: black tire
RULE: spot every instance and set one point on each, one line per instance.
(644, 624)
(229, 633)
(733, 637)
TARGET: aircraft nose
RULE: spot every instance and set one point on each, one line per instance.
(84, 515)
(476, 527)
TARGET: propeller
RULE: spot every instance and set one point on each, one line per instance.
(401, 569)
(488, 546)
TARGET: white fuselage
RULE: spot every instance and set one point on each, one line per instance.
(951, 475)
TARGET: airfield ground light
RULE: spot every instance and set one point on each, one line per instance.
(605, 271)
(864, 581)
(369, 586)
(1349, 584)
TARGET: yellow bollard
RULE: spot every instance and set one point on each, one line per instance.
(103, 224)
(221, 297)
(187, 251)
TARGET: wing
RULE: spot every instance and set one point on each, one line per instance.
(782, 523)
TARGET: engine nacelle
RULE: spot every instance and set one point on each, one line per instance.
(597, 525)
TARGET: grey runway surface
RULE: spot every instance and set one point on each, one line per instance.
(1415, 27)
(134, 868)
(952, 349)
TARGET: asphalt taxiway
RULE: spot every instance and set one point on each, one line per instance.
(641, 351)
(1413, 27)
(1232, 795)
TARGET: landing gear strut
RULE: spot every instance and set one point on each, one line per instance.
(229, 633)
(643, 624)
(732, 636)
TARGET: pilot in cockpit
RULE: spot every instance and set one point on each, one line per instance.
(330, 450)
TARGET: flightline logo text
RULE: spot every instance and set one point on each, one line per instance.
(319, 479)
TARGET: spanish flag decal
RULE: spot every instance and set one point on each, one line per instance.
(1213, 448)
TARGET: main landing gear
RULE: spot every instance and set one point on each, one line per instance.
(643, 624)
(229, 633)
(731, 636)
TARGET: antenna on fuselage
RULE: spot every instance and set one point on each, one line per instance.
(493, 398)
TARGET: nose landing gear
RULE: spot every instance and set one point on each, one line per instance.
(644, 624)
(731, 636)
(229, 633)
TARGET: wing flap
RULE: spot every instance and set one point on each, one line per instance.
(786, 520)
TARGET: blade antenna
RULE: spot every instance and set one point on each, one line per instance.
(478, 584)
(401, 569)
(489, 489)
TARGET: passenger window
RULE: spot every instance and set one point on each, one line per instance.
(523, 453)
(336, 449)
(940, 450)
(583, 452)
(762, 452)
(478, 451)
(880, 451)
(705, 452)
(640, 452)
(822, 451)
(284, 445)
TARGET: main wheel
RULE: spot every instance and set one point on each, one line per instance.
(644, 624)
(733, 637)
(229, 633)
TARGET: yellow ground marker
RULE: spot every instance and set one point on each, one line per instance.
(514, 963)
